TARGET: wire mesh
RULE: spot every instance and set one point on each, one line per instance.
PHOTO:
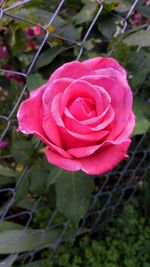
(114, 189)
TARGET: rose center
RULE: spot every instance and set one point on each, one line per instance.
(82, 108)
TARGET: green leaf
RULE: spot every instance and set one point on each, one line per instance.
(18, 241)
(143, 10)
(54, 175)
(48, 56)
(40, 16)
(107, 26)
(22, 151)
(141, 108)
(140, 38)
(4, 180)
(86, 14)
(26, 203)
(73, 194)
(38, 179)
(35, 81)
(6, 226)
(22, 189)
(6, 171)
(117, 5)
(139, 67)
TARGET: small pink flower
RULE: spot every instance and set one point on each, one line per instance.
(37, 30)
(29, 32)
(83, 113)
(137, 18)
(3, 144)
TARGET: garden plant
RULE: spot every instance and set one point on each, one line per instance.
(74, 133)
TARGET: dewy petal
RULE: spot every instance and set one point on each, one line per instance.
(98, 63)
(105, 159)
(30, 113)
(73, 70)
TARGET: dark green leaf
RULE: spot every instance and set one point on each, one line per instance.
(86, 14)
(38, 179)
(54, 175)
(6, 171)
(22, 151)
(107, 26)
(141, 108)
(139, 67)
(48, 56)
(140, 38)
(39, 16)
(4, 180)
(34, 81)
(26, 203)
(7, 226)
(23, 189)
(73, 194)
(18, 241)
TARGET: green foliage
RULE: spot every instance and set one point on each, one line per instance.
(143, 116)
(16, 241)
(126, 244)
(140, 38)
(73, 192)
(34, 81)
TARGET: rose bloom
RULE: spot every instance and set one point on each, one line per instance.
(83, 114)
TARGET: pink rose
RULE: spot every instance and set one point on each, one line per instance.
(83, 114)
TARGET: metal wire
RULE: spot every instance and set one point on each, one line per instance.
(121, 186)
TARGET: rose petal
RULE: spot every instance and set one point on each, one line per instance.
(127, 131)
(74, 70)
(100, 162)
(105, 159)
(121, 99)
(74, 125)
(99, 123)
(82, 88)
(81, 152)
(107, 120)
(101, 62)
(64, 163)
(81, 109)
(30, 113)
(48, 123)
(79, 139)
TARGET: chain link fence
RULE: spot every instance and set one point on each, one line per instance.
(113, 190)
